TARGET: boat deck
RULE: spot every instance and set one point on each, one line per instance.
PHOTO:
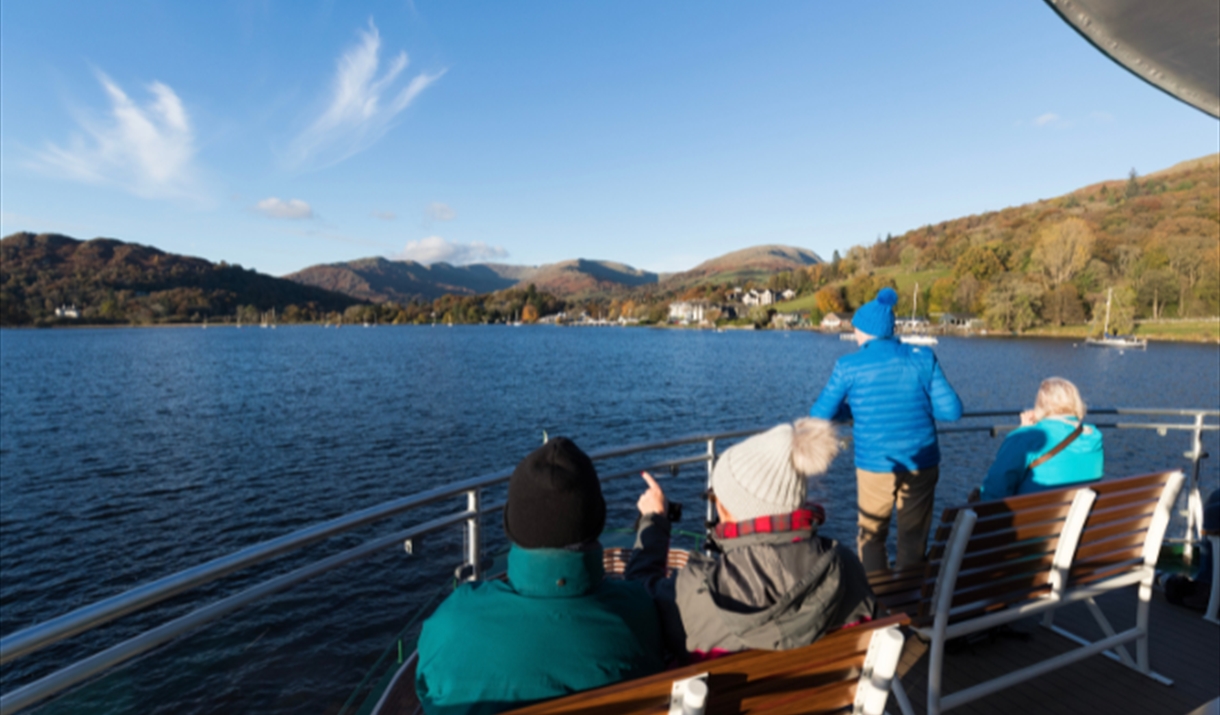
(1182, 646)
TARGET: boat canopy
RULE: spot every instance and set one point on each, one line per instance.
(1174, 46)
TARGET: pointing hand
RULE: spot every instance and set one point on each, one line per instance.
(653, 500)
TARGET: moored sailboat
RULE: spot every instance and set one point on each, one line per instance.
(1115, 341)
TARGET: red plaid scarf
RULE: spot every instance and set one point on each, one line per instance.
(798, 520)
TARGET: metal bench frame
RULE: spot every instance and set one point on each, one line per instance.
(1061, 594)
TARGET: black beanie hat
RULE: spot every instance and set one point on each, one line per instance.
(554, 498)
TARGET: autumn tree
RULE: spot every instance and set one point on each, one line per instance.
(967, 297)
(940, 295)
(1063, 250)
(1062, 306)
(529, 314)
(980, 262)
(829, 300)
(1013, 304)
(1188, 243)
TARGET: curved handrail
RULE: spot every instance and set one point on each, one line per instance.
(94, 615)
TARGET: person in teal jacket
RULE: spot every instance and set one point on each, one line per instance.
(1058, 416)
(555, 626)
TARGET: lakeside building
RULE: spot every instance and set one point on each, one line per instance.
(688, 311)
(911, 325)
(789, 320)
(67, 311)
(961, 321)
(836, 321)
(758, 297)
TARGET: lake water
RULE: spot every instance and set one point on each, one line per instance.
(129, 454)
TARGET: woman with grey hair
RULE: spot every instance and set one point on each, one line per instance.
(1052, 448)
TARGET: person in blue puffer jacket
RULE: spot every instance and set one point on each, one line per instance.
(894, 393)
(1021, 466)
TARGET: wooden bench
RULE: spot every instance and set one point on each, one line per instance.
(851, 668)
(995, 562)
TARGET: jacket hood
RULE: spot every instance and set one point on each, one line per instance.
(555, 573)
(772, 593)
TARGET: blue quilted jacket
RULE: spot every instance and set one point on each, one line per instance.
(894, 393)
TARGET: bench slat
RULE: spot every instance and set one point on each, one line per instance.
(1107, 486)
(1006, 538)
(1138, 523)
(1002, 571)
(1008, 552)
(744, 682)
(1017, 586)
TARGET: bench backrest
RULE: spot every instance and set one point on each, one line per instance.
(614, 560)
(818, 678)
(1010, 556)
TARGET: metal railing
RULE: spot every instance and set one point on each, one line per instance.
(89, 617)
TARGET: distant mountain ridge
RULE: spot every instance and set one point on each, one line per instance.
(380, 279)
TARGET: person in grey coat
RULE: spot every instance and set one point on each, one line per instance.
(777, 584)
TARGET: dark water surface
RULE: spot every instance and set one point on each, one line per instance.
(127, 455)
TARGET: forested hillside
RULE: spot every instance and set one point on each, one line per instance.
(1154, 239)
(110, 281)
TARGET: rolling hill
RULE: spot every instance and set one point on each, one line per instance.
(111, 281)
(756, 263)
(381, 280)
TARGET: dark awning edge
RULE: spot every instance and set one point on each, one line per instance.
(1113, 27)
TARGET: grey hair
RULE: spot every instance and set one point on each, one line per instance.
(1057, 396)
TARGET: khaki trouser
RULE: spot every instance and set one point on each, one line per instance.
(877, 494)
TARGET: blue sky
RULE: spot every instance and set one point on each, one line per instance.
(279, 135)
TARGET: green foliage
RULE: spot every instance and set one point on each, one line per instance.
(980, 262)
(1013, 305)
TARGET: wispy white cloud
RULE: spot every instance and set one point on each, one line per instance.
(362, 106)
(435, 249)
(1045, 119)
(146, 150)
(438, 211)
(385, 215)
(278, 208)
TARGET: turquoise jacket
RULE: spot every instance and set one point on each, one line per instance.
(555, 627)
(894, 393)
(1081, 461)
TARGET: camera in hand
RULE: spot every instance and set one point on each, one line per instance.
(674, 512)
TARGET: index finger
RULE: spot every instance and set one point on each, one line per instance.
(652, 483)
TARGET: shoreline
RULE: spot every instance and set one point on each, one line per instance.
(1195, 334)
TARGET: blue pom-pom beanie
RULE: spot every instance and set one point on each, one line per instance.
(876, 317)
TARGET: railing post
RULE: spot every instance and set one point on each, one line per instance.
(473, 541)
(711, 509)
(1194, 502)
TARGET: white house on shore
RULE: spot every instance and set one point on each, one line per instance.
(687, 311)
(758, 297)
(67, 311)
(836, 321)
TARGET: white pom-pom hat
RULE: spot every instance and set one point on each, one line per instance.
(766, 474)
